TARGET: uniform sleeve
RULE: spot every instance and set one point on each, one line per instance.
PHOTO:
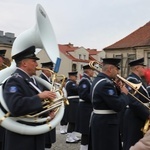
(108, 95)
(84, 90)
(72, 87)
(19, 100)
(139, 109)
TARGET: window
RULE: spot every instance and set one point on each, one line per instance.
(131, 57)
(81, 67)
(148, 59)
(79, 56)
(74, 67)
(84, 57)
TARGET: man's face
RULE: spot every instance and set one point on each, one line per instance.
(73, 77)
(47, 72)
(1, 61)
(114, 71)
(30, 66)
(91, 72)
(141, 70)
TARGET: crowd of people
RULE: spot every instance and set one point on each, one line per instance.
(107, 112)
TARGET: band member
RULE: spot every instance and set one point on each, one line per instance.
(136, 113)
(50, 137)
(46, 74)
(85, 106)
(2, 66)
(64, 121)
(104, 126)
(22, 98)
(73, 98)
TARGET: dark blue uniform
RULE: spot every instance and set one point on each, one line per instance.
(21, 99)
(135, 115)
(85, 106)
(104, 127)
(50, 137)
(73, 98)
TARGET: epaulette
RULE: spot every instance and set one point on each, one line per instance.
(16, 75)
(84, 78)
(108, 80)
(132, 78)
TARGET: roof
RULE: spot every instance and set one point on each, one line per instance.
(67, 48)
(138, 38)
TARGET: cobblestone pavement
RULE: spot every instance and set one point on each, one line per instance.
(60, 143)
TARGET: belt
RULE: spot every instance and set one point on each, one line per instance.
(81, 100)
(146, 104)
(71, 97)
(104, 111)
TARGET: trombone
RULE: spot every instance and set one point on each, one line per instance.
(134, 87)
(130, 84)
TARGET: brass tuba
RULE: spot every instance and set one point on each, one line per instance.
(41, 36)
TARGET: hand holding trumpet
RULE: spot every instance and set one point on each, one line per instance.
(47, 95)
(121, 86)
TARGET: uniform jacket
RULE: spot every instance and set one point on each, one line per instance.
(135, 115)
(72, 90)
(104, 128)
(85, 105)
(43, 76)
(21, 99)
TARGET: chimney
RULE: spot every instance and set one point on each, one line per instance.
(10, 35)
(1, 33)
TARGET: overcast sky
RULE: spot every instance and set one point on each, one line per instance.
(88, 23)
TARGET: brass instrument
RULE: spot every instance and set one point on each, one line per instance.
(48, 104)
(3, 66)
(146, 126)
(37, 36)
(135, 87)
(96, 65)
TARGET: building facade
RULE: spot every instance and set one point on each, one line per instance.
(135, 45)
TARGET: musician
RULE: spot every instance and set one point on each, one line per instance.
(2, 66)
(46, 74)
(22, 98)
(50, 137)
(64, 120)
(85, 106)
(104, 126)
(136, 113)
(73, 98)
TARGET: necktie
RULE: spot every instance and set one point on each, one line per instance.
(33, 81)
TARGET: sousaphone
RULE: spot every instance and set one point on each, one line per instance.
(41, 36)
